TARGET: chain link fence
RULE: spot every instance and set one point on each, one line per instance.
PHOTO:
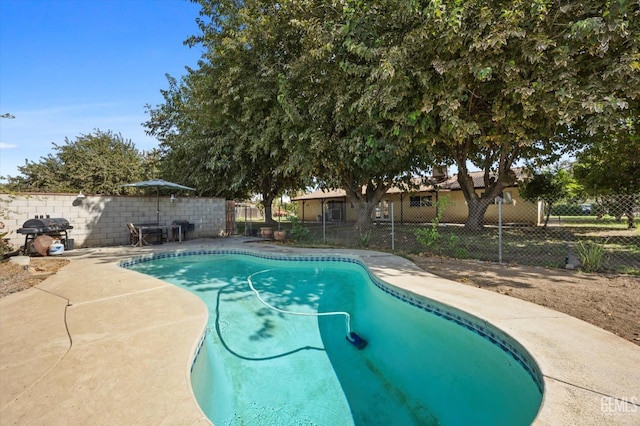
(594, 236)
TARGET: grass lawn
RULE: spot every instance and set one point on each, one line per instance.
(608, 222)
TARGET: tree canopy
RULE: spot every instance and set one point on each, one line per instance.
(341, 111)
(492, 83)
(97, 163)
(222, 124)
(549, 185)
(609, 168)
(367, 94)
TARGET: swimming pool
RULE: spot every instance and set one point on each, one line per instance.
(425, 363)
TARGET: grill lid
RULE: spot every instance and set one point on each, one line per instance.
(43, 225)
(39, 223)
(62, 223)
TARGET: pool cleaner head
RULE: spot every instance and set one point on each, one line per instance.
(356, 340)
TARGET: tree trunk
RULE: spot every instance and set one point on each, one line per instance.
(365, 217)
(365, 205)
(477, 208)
(630, 202)
(267, 200)
(548, 208)
(493, 186)
(630, 222)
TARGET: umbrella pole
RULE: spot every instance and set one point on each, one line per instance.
(157, 205)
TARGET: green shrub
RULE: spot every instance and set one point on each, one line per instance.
(299, 233)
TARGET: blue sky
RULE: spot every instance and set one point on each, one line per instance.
(68, 67)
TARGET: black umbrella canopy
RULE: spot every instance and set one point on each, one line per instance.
(157, 184)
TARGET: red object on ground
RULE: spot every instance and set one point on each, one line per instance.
(41, 244)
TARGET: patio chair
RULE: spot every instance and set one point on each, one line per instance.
(134, 235)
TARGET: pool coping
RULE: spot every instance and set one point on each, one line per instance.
(89, 352)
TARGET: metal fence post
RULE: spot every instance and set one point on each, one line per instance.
(499, 229)
(246, 223)
(324, 225)
(393, 234)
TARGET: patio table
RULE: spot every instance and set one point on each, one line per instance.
(162, 228)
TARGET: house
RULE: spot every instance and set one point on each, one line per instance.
(419, 205)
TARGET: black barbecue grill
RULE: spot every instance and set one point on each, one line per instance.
(54, 227)
(185, 227)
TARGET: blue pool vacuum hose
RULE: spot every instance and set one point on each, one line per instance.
(356, 340)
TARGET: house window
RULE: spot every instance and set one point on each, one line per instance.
(382, 210)
(506, 196)
(335, 210)
(421, 201)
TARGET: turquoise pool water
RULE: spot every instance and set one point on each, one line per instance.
(424, 364)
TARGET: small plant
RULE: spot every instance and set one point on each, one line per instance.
(428, 237)
(453, 241)
(591, 255)
(461, 253)
(364, 239)
(298, 233)
(5, 245)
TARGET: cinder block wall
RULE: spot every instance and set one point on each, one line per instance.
(100, 221)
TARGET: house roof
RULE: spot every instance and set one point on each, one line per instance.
(449, 184)
(321, 193)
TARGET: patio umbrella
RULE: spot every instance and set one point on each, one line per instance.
(157, 184)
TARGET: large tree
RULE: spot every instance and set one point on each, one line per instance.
(99, 162)
(223, 124)
(185, 130)
(349, 141)
(491, 83)
(376, 91)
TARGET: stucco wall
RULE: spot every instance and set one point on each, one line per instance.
(456, 211)
(100, 221)
(517, 211)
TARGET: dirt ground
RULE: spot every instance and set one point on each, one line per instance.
(15, 277)
(611, 302)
